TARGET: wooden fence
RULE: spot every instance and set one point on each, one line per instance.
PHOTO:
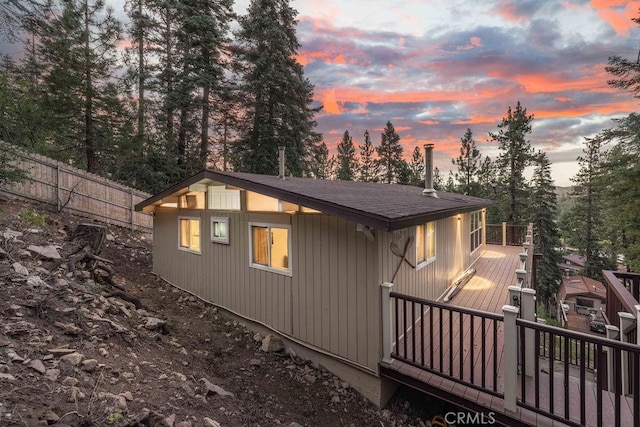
(75, 190)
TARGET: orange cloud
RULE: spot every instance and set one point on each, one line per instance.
(618, 13)
(331, 105)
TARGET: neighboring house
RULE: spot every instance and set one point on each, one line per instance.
(572, 264)
(305, 258)
(582, 294)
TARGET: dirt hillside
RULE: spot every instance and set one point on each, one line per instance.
(81, 348)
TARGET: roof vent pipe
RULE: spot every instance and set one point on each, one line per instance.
(428, 172)
(281, 161)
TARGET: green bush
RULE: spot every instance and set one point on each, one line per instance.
(30, 217)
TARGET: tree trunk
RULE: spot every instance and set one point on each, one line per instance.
(88, 109)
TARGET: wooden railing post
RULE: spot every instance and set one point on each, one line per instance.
(528, 312)
(514, 295)
(387, 343)
(521, 277)
(637, 313)
(504, 234)
(626, 321)
(613, 333)
(510, 364)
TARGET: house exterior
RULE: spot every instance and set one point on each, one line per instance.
(572, 264)
(582, 294)
(305, 258)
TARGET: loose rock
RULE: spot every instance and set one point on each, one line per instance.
(271, 343)
(49, 252)
(38, 366)
(20, 269)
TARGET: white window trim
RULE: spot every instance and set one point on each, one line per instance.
(422, 264)
(479, 229)
(185, 249)
(288, 272)
(220, 219)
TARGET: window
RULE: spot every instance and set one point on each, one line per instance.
(191, 200)
(476, 230)
(220, 230)
(221, 198)
(270, 247)
(189, 234)
(425, 243)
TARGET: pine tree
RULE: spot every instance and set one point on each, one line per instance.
(546, 235)
(619, 173)
(389, 154)
(367, 167)
(587, 212)
(323, 165)
(438, 183)
(516, 155)
(416, 168)
(278, 96)
(78, 51)
(403, 173)
(468, 165)
(346, 158)
(204, 35)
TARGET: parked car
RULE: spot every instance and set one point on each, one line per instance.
(596, 322)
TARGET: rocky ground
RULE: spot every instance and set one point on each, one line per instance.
(74, 352)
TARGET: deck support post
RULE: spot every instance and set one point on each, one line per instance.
(613, 333)
(510, 365)
(626, 321)
(504, 234)
(387, 343)
(528, 312)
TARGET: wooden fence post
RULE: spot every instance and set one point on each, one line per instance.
(58, 195)
(504, 234)
(510, 365)
(132, 208)
(528, 312)
(613, 333)
(387, 344)
(626, 320)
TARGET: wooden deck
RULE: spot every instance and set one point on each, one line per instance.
(495, 272)
(467, 353)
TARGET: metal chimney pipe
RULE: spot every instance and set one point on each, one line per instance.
(428, 172)
(281, 161)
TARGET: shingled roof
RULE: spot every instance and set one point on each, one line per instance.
(381, 206)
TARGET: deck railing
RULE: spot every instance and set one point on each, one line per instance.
(557, 391)
(623, 291)
(434, 336)
(505, 234)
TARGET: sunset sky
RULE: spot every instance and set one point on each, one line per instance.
(436, 68)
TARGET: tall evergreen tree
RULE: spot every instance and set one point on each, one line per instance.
(416, 168)
(438, 182)
(278, 96)
(346, 158)
(468, 163)
(620, 172)
(586, 214)
(546, 235)
(323, 165)
(204, 34)
(78, 51)
(516, 154)
(389, 154)
(367, 167)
